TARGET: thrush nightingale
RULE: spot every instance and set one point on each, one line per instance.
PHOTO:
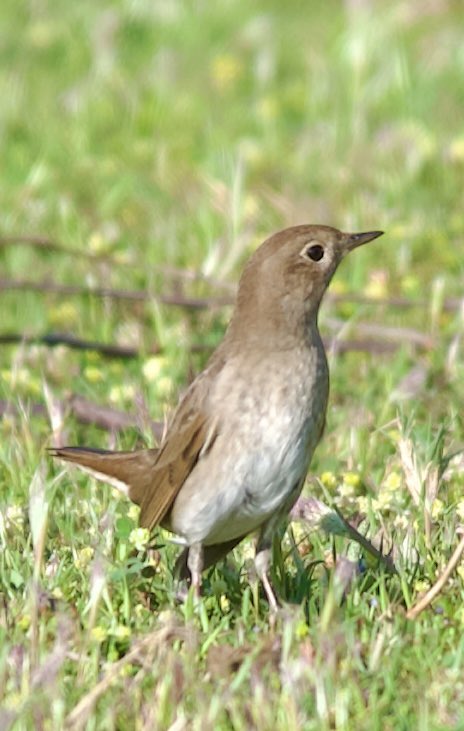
(238, 447)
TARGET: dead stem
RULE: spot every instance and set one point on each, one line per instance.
(435, 590)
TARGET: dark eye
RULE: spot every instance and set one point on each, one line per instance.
(315, 252)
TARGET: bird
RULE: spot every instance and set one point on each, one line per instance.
(237, 450)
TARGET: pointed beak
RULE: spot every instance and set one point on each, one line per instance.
(352, 241)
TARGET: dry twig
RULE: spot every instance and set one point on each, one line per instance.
(87, 412)
(385, 333)
(138, 295)
(113, 350)
(46, 244)
(53, 287)
(435, 590)
(450, 304)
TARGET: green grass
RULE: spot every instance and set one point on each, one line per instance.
(179, 134)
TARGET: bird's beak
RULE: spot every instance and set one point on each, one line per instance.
(352, 241)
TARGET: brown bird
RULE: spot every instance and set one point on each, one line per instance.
(236, 453)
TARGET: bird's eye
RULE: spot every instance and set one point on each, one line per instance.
(315, 252)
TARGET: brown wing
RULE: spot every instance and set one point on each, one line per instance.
(176, 459)
(191, 434)
(151, 478)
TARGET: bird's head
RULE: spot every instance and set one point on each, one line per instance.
(283, 282)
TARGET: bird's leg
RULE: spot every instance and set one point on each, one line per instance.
(211, 555)
(195, 566)
(263, 549)
(262, 562)
(263, 557)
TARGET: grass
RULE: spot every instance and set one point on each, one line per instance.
(154, 136)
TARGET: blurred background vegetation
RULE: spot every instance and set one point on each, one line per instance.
(151, 145)
(176, 133)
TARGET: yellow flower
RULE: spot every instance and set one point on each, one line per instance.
(252, 152)
(251, 206)
(377, 285)
(225, 604)
(64, 315)
(139, 610)
(24, 622)
(57, 593)
(267, 108)
(99, 634)
(126, 670)
(437, 508)
(121, 632)
(153, 367)
(338, 287)
(460, 571)
(456, 149)
(392, 482)
(301, 630)
(15, 515)
(133, 512)
(139, 538)
(363, 504)
(123, 257)
(164, 386)
(97, 244)
(410, 284)
(382, 501)
(125, 392)
(93, 374)
(83, 557)
(17, 377)
(13, 700)
(420, 586)
(225, 70)
(329, 480)
(248, 550)
(401, 231)
(351, 478)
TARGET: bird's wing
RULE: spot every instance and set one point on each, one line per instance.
(152, 478)
(189, 437)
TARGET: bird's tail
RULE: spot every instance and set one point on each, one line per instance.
(129, 472)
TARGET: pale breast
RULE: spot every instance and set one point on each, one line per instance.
(270, 423)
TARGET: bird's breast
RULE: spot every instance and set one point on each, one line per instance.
(290, 423)
(271, 418)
